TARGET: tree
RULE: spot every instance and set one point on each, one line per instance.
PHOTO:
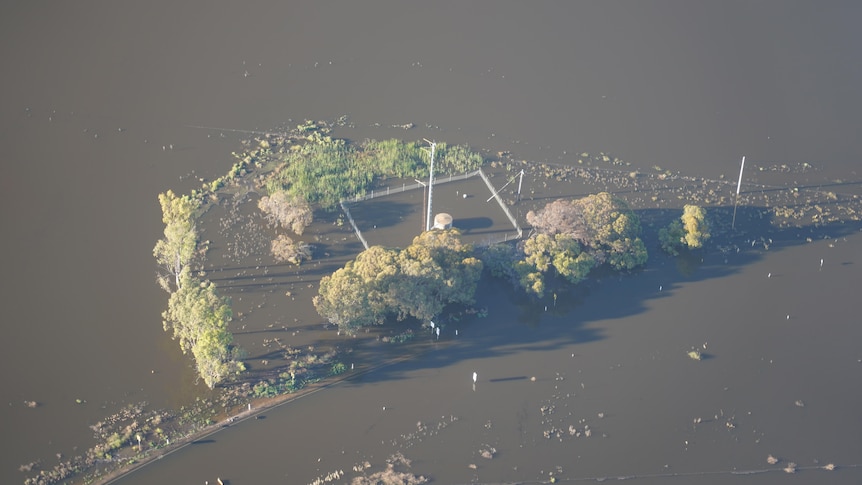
(672, 237)
(500, 260)
(284, 249)
(180, 243)
(696, 227)
(437, 269)
(613, 231)
(560, 216)
(691, 230)
(285, 210)
(357, 294)
(198, 318)
(560, 252)
(604, 225)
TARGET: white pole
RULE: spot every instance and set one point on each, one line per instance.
(430, 185)
(738, 186)
(520, 181)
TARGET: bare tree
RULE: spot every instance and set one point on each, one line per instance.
(284, 249)
(560, 217)
(289, 212)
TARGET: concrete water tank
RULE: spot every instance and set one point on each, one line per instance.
(442, 221)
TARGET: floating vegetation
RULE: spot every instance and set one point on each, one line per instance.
(400, 338)
(695, 355)
(487, 452)
(328, 478)
(396, 473)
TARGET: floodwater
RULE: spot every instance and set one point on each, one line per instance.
(103, 108)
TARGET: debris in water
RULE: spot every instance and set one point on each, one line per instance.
(772, 460)
(790, 468)
(695, 355)
(799, 403)
(487, 452)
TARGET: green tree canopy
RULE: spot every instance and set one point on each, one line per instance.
(178, 246)
(690, 230)
(437, 269)
(603, 225)
(198, 318)
(575, 236)
(560, 252)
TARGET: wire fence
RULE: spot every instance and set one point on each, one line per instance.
(353, 224)
(389, 190)
(503, 206)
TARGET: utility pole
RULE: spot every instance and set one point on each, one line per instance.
(424, 188)
(520, 181)
(430, 183)
(738, 186)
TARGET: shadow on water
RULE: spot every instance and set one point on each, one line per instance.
(386, 213)
(561, 318)
(469, 224)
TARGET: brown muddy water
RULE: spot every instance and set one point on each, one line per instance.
(102, 107)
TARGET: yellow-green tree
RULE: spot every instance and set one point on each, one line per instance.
(690, 230)
(198, 318)
(180, 242)
(695, 225)
(419, 281)
(574, 236)
(560, 252)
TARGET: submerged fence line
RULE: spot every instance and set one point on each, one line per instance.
(503, 206)
(441, 180)
(353, 224)
(388, 190)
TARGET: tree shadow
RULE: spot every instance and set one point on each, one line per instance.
(468, 224)
(518, 322)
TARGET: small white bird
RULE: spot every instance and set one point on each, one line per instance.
(475, 376)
